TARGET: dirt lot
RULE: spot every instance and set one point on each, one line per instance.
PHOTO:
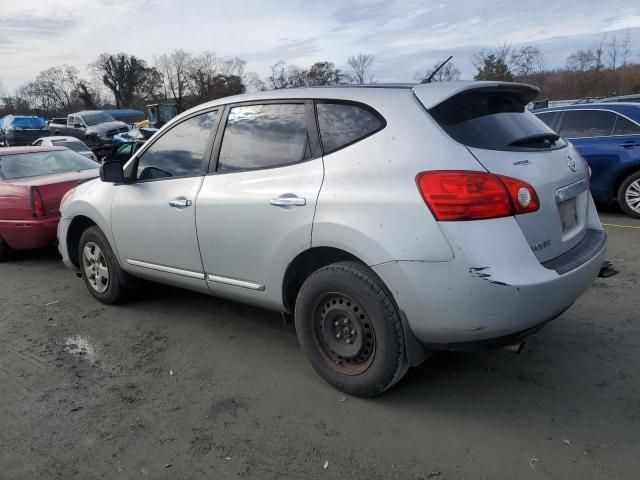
(178, 385)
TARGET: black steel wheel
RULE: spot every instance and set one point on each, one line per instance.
(349, 328)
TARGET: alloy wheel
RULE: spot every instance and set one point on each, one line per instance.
(95, 267)
(632, 196)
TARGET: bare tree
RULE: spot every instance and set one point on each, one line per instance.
(128, 78)
(582, 61)
(448, 73)
(612, 52)
(57, 85)
(174, 70)
(527, 60)
(360, 65)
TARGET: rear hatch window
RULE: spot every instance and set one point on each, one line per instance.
(494, 120)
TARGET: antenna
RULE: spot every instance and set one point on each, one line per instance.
(433, 74)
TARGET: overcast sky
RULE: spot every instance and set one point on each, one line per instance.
(406, 36)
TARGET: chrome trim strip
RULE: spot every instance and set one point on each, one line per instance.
(164, 268)
(235, 283)
(570, 191)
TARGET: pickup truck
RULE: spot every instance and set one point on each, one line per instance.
(94, 127)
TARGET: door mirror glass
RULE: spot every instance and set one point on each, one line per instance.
(112, 172)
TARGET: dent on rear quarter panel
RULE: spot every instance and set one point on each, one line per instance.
(369, 204)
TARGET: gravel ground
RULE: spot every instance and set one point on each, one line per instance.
(179, 385)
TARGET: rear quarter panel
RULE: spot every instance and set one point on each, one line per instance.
(369, 204)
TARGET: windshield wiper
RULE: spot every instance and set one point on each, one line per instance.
(546, 139)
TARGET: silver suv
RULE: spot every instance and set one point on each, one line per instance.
(390, 220)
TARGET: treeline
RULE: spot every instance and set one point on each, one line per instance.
(126, 81)
(607, 68)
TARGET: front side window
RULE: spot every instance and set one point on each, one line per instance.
(343, 124)
(180, 151)
(626, 127)
(264, 136)
(587, 123)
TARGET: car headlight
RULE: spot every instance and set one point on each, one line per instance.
(65, 196)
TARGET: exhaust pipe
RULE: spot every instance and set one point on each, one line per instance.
(515, 348)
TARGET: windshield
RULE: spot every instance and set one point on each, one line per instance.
(23, 165)
(96, 118)
(28, 122)
(75, 146)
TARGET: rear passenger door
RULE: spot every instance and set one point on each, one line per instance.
(605, 140)
(255, 210)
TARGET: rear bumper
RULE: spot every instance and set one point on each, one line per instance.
(29, 234)
(492, 293)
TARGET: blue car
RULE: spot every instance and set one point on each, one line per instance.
(607, 135)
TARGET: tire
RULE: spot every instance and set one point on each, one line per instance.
(4, 250)
(629, 195)
(100, 270)
(349, 328)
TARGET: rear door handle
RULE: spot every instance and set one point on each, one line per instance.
(288, 200)
(629, 144)
(180, 203)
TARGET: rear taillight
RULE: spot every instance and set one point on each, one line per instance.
(37, 207)
(465, 195)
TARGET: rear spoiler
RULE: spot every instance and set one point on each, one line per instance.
(433, 94)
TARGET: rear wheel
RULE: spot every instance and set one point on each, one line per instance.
(100, 270)
(629, 195)
(4, 250)
(350, 330)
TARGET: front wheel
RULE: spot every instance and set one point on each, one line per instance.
(629, 195)
(349, 329)
(101, 272)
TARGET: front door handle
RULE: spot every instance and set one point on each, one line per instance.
(629, 144)
(180, 203)
(288, 200)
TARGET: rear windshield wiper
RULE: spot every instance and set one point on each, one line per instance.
(546, 139)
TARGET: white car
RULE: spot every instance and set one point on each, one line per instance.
(389, 220)
(72, 143)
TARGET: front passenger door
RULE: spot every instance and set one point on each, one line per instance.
(153, 219)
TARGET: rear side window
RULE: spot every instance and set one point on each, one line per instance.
(494, 120)
(587, 123)
(550, 118)
(626, 127)
(264, 136)
(180, 151)
(342, 124)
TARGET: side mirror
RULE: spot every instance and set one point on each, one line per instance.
(78, 125)
(112, 172)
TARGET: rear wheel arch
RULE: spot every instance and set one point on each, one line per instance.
(622, 176)
(304, 264)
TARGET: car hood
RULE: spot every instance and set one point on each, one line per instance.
(105, 127)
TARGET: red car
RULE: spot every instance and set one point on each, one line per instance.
(33, 181)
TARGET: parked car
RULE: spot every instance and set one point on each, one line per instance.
(391, 221)
(72, 143)
(122, 153)
(94, 127)
(607, 135)
(134, 135)
(33, 180)
(21, 129)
